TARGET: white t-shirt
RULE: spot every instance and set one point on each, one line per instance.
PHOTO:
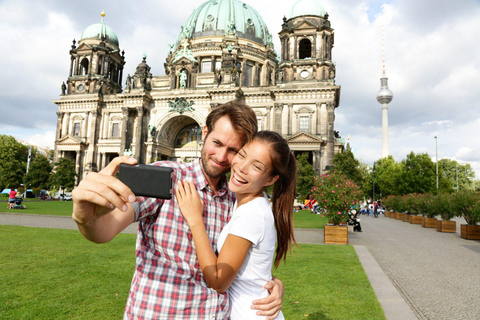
(252, 221)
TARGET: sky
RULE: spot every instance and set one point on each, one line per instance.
(432, 60)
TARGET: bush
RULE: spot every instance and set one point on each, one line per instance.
(467, 204)
(337, 195)
(443, 205)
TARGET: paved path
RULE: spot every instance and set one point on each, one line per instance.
(416, 273)
(437, 273)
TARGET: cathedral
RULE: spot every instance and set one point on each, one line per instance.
(223, 52)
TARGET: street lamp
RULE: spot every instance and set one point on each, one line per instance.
(373, 192)
(436, 157)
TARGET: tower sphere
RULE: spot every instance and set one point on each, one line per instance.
(384, 95)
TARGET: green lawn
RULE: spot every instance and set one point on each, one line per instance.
(302, 219)
(56, 208)
(305, 219)
(57, 274)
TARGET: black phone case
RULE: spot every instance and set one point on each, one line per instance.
(147, 181)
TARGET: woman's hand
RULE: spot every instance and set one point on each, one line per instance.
(189, 202)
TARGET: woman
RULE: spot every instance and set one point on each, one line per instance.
(247, 242)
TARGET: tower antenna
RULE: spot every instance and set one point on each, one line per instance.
(384, 97)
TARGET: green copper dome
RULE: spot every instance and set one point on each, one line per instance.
(306, 8)
(226, 17)
(98, 31)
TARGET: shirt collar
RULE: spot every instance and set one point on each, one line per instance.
(202, 182)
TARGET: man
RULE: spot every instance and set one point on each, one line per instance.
(167, 282)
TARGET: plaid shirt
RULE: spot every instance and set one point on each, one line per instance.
(168, 282)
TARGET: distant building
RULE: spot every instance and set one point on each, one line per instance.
(223, 51)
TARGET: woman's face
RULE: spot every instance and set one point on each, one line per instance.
(251, 169)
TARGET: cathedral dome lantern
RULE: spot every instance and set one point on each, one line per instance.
(100, 31)
(96, 64)
(306, 8)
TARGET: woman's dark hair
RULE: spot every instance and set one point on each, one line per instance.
(284, 189)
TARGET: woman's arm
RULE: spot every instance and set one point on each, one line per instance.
(219, 272)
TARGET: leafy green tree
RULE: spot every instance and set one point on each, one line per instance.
(305, 175)
(39, 172)
(346, 164)
(387, 176)
(417, 174)
(64, 174)
(13, 158)
(449, 170)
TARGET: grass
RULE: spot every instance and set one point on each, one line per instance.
(56, 208)
(305, 219)
(327, 282)
(302, 218)
(57, 274)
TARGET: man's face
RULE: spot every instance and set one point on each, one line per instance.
(219, 148)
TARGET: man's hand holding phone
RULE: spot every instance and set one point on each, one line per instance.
(100, 193)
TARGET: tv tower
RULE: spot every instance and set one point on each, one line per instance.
(384, 97)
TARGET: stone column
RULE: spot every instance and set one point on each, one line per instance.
(85, 128)
(124, 130)
(92, 140)
(67, 124)
(138, 139)
(278, 118)
(318, 106)
(295, 49)
(58, 134)
(290, 118)
(269, 118)
(72, 60)
(77, 62)
(330, 137)
(106, 120)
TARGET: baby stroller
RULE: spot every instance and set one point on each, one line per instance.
(18, 203)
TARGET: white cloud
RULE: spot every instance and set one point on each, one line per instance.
(432, 62)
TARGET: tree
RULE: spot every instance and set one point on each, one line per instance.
(305, 175)
(449, 169)
(417, 175)
(346, 164)
(39, 172)
(13, 158)
(64, 175)
(387, 176)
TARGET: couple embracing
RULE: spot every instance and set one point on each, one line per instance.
(207, 253)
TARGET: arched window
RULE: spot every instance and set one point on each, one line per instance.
(305, 49)
(84, 67)
(189, 133)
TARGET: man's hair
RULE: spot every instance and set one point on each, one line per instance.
(242, 117)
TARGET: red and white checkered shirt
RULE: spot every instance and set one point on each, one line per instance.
(168, 282)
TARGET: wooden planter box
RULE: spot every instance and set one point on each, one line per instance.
(429, 223)
(414, 219)
(446, 226)
(335, 234)
(407, 217)
(470, 232)
(393, 215)
(400, 215)
(387, 214)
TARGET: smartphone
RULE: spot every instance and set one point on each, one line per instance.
(147, 181)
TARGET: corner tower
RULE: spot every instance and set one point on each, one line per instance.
(96, 65)
(307, 41)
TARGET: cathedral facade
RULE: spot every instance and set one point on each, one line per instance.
(223, 52)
